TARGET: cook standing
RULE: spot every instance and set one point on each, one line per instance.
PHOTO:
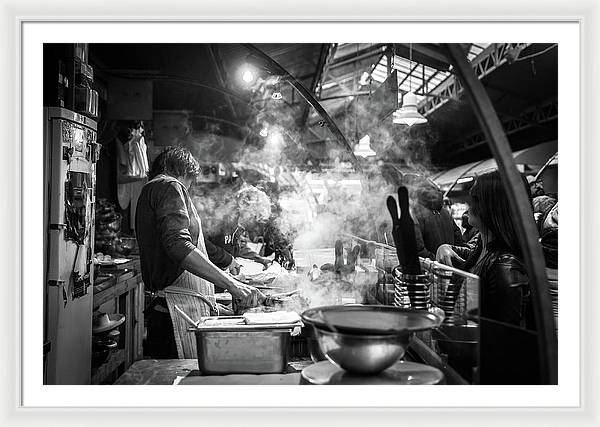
(172, 250)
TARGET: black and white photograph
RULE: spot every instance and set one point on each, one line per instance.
(300, 213)
(214, 211)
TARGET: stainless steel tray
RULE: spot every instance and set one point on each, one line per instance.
(226, 345)
(242, 349)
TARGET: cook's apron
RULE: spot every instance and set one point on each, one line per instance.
(183, 292)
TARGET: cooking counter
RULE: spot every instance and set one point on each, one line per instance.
(185, 371)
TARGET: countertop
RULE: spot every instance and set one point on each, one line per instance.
(185, 371)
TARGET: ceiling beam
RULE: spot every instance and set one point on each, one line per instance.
(325, 70)
(358, 56)
(532, 117)
(491, 58)
(215, 56)
(323, 57)
(408, 75)
(426, 55)
(274, 66)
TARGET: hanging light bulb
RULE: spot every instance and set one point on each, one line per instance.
(264, 132)
(363, 148)
(408, 113)
(247, 75)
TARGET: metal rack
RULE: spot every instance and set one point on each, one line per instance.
(447, 286)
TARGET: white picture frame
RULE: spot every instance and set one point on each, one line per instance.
(15, 13)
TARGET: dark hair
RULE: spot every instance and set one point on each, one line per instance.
(465, 220)
(175, 162)
(489, 202)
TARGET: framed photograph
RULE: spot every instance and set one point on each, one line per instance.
(312, 92)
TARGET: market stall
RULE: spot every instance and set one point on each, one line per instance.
(256, 224)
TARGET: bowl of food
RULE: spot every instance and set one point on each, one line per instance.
(125, 244)
(365, 339)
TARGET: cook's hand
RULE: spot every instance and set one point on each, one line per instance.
(445, 255)
(234, 268)
(248, 295)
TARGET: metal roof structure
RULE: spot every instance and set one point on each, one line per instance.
(204, 79)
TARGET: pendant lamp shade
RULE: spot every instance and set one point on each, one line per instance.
(408, 113)
(363, 148)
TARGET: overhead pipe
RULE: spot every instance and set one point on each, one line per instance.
(519, 205)
(276, 68)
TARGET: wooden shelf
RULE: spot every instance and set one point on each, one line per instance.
(127, 295)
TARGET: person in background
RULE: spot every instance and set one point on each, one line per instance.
(470, 231)
(221, 258)
(508, 343)
(536, 187)
(448, 204)
(435, 225)
(253, 209)
(542, 202)
(171, 244)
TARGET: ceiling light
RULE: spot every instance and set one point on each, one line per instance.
(363, 148)
(276, 95)
(408, 114)
(264, 132)
(247, 76)
(351, 97)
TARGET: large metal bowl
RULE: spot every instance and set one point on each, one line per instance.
(358, 319)
(365, 339)
(361, 354)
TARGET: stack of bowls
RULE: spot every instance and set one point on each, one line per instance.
(365, 339)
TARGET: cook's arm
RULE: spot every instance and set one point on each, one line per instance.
(198, 263)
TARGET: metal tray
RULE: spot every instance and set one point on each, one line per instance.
(226, 345)
(242, 350)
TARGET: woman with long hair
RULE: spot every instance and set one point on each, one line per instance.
(508, 352)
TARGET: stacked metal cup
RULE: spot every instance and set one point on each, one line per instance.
(448, 293)
(412, 290)
(400, 291)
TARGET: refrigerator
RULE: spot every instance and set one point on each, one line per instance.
(70, 156)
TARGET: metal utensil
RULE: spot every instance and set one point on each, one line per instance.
(187, 318)
(393, 209)
(409, 240)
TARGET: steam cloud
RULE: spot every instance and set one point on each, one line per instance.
(341, 210)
